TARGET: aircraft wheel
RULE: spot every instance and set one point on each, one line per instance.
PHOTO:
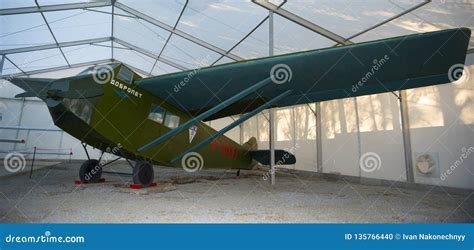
(90, 171)
(143, 173)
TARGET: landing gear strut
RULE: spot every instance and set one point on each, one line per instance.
(91, 170)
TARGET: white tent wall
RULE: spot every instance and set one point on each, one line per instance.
(441, 121)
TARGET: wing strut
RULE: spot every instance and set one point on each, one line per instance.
(205, 115)
(232, 125)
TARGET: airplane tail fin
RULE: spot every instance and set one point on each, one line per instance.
(251, 144)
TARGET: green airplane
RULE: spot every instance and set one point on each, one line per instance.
(160, 120)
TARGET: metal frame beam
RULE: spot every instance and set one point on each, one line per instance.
(149, 54)
(271, 111)
(406, 136)
(55, 45)
(390, 19)
(171, 34)
(56, 7)
(132, 67)
(52, 33)
(176, 31)
(303, 22)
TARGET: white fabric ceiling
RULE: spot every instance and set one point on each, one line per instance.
(204, 32)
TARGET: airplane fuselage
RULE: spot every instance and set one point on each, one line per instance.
(129, 116)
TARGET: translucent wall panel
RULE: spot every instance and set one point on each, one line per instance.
(288, 37)
(23, 30)
(10, 116)
(188, 54)
(250, 129)
(8, 69)
(220, 23)
(163, 68)
(61, 73)
(224, 60)
(263, 129)
(381, 134)
(285, 131)
(40, 59)
(133, 58)
(444, 14)
(74, 25)
(53, 2)
(16, 4)
(218, 124)
(139, 32)
(344, 17)
(449, 138)
(163, 10)
(339, 137)
(88, 53)
(436, 15)
(305, 138)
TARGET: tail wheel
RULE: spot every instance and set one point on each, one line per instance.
(143, 173)
(90, 171)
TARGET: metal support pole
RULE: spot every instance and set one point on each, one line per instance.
(359, 150)
(33, 161)
(406, 136)
(319, 139)
(271, 111)
(20, 118)
(2, 60)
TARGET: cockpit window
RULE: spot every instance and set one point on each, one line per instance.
(125, 75)
(171, 120)
(156, 114)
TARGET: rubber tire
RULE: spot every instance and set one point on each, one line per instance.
(86, 169)
(143, 173)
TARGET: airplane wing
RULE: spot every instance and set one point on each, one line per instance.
(366, 68)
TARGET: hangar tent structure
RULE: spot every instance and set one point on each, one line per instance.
(417, 136)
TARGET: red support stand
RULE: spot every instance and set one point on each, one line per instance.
(140, 186)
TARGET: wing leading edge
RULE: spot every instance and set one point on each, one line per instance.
(361, 69)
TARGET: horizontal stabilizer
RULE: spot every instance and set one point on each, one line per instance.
(282, 157)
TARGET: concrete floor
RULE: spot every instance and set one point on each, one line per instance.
(220, 196)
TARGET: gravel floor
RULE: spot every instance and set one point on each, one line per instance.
(220, 197)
